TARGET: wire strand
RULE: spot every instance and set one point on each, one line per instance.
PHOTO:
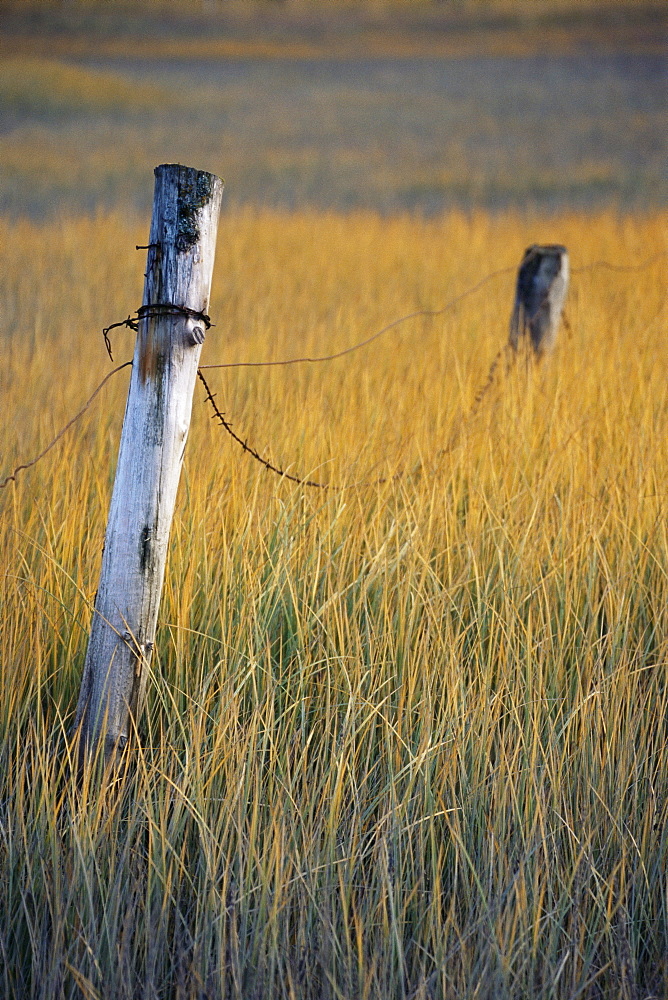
(369, 340)
(210, 398)
(161, 308)
(427, 313)
(34, 461)
(620, 267)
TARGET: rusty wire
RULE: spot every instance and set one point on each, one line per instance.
(34, 461)
(151, 311)
(620, 267)
(478, 399)
(161, 309)
(217, 414)
(429, 313)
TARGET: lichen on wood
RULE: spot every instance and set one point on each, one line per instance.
(193, 196)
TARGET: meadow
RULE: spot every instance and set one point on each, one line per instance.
(404, 739)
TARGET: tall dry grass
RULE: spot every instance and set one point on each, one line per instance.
(402, 740)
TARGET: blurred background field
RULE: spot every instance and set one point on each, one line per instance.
(417, 107)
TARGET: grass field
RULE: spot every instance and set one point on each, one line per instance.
(402, 740)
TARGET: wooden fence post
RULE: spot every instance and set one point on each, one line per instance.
(542, 283)
(171, 326)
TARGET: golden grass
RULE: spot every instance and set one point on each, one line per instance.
(285, 133)
(44, 87)
(525, 9)
(403, 740)
(313, 29)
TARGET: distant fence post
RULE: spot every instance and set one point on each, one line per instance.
(172, 321)
(542, 284)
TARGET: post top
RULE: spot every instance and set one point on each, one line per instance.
(546, 249)
(184, 201)
(182, 166)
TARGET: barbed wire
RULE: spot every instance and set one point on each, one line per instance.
(155, 309)
(606, 265)
(429, 313)
(159, 309)
(505, 351)
(210, 398)
(34, 461)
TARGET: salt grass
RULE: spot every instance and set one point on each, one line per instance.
(401, 740)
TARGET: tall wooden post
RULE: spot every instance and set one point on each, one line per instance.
(542, 283)
(172, 321)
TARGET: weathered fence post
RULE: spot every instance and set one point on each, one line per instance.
(542, 283)
(171, 326)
